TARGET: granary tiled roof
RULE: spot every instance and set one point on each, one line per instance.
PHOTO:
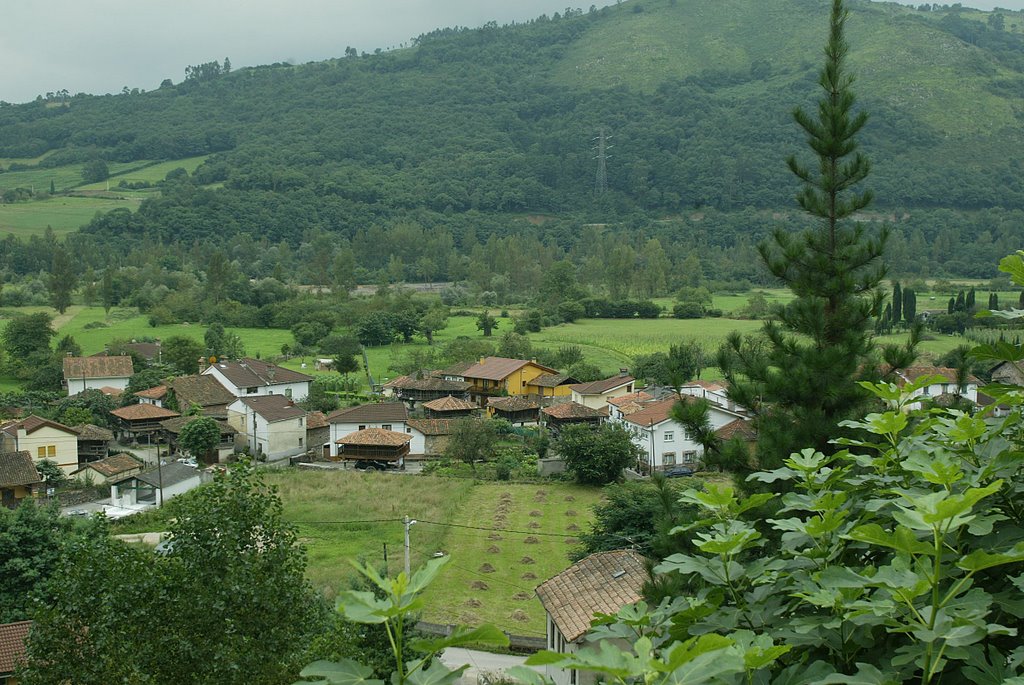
(142, 412)
(449, 403)
(375, 436)
(16, 468)
(89, 431)
(603, 582)
(574, 410)
(513, 403)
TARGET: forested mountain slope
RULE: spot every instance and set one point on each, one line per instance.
(497, 121)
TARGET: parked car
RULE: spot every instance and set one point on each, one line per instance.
(679, 471)
(370, 465)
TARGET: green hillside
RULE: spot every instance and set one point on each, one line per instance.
(468, 133)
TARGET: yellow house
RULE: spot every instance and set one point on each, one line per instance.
(43, 439)
(496, 376)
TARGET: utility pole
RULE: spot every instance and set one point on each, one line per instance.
(385, 560)
(408, 523)
(602, 146)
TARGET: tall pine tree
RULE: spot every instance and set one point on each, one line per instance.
(801, 381)
(897, 303)
(909, 306)
(62, 280)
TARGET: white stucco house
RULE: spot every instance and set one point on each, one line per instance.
(43, 439)
(108, 374)
(712, 391)
(604, 582)
(664, 442)
(271, 425)
(944, 387)
(389, 416)
(597, 393)
(253, 377)
(150, 488)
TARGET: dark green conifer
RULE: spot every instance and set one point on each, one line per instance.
(801, 381)
(897, 303)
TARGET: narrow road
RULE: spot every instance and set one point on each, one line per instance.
(480, 662)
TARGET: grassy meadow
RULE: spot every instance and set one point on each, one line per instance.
(345, 516)
(64, 214)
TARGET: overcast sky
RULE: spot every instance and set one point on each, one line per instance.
(102, 45)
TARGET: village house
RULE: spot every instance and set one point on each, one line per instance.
(93, 442)
(499, 376)
(1008, 373)
(12, 649)
(943, 389)
(432, 434)
(516, 409)
(272, 426)
(389, 416)
(596, 394)
(416, 390)
(183, 392)
(623, 405)
(318, 431)
(248, 377)
(115, 468)
(43, 439)
(19, 479)
(138, 421)
(152, 488)
(604, 582)
(107, 374)
(224, 449)
(551, 385)
(713, 392)
(664, 442)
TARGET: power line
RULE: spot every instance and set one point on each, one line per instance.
(499, 530)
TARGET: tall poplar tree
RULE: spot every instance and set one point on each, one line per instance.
(897, 302)
(62, 280)
(800, 381)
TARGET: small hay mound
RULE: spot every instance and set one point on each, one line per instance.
(534, 524)
(536, 513)
(493, 536)
(505, 496)
(521, 596)
(572, 541)
(486, 568)
(493, 549)
(475, 603)
(529, 576)
(527, 560)
(571, 512)
(541, 493)
(570, 498)
(520, 615)
(531, 540)
(479, 585)
(573, 527)
(469, 619)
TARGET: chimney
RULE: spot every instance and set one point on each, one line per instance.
(202, 364)
(483, 359)
(623, 372)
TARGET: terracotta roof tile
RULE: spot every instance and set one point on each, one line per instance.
(574, 410)
(499, 368)
(449, 403)
(33, 423)
(603, 582)
(513, 403)
(88, 431)
(12, 645)
(912, 373)
(16, 468)
(431, 383)
(602, 386)
(375, 436)
(433, 426)
(370, 413)
(550, 380)
(141, 412)
(248, 372)
(157, 392)
(98, 367)
(653, 413)
(457, 369)
(114, 465)
(638, 396)
(202, 390)
(740, 428)
(316, 419)
(274, 408)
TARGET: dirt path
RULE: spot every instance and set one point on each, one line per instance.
(62, 319)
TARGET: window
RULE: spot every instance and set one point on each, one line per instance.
(670, 436)
(47, 451)
(668, 458)
(689, 457)
(300, 442)
(250, 391)
(300, 422)
(386, 426)
(288, 392)
(362, 427)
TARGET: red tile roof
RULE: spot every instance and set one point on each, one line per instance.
(274, 408)
(114, 465)
(370, 413)
(433, 426)
(316, 419)
(98, 367)
(574, 410)
(513, 403)
(141, 412)
(155, 393)
(499, 368)
(375, 436)
(603, 582)
(550, 380)
(653, 413)
(638, 396)
(449, 403)
(17, 468)
(248, 372)
(34, 423)
(912, 373)
(602, 386)
(12, 645)
(740, 428)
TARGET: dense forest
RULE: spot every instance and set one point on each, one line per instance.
(469, 156)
